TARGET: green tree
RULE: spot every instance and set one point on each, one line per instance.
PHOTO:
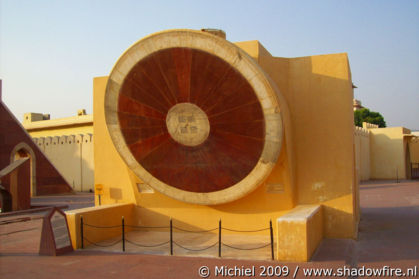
(365, 115)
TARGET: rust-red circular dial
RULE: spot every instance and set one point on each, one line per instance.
(191, 120)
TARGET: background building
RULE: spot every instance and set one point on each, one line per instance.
(386, 153)
(67, 143)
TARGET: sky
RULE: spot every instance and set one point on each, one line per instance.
(51, 50)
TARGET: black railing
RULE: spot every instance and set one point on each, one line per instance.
(171, 240)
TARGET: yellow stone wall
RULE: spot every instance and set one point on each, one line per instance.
(68, 144)
(388, 153)
(362, 153)
(316, 87)
(385, 153)
(414, 150)
(316, 165)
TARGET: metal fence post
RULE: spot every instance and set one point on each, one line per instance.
(123, 234)
(272, 239)
(81, 231)
(171, 237)
(219, 238)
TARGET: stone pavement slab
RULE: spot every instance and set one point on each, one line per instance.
(388, 236)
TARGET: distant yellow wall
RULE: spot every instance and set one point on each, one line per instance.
(68, 144)
(87, 164)
(384, 153)
(362, 153)
(72, 155)
(414, 150)
(388, 153)
(414, 154)
(316, 165)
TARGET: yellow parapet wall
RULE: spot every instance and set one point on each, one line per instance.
(299, 233)
(98, 216)
(82, 124)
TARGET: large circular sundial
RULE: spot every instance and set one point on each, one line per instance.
(193, 116)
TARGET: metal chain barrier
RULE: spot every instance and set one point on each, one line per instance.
(190, 231)
(147, 246)
(238, 248)
(147, 227)
(171, 241)
(102, 245)
(259, 230)
(195, 250)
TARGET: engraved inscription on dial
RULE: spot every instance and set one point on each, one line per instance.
(187, 124)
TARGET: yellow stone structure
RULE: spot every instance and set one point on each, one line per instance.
(304, 181)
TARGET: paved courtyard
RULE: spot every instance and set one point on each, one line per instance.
(388, 236)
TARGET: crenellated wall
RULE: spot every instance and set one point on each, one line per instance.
(367, 125)
(72, 155)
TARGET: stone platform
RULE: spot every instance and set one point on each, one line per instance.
(388, 235)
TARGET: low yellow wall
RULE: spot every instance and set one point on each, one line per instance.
(299, 233)
(105, 215)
